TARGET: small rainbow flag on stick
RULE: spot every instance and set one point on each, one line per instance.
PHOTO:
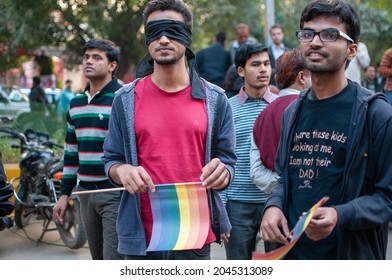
(181, 217)
(299, 228)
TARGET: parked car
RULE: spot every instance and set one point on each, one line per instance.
(52, 94)
(15, 104)
(15, 100)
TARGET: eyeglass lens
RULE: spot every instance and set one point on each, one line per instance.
(328, 35)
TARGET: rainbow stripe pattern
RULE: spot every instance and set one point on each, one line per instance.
(181, 217)
(298, 230)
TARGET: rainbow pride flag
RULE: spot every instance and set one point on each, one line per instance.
(298, 230)
(181, 217)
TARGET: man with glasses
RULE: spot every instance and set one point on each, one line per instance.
(335, 142)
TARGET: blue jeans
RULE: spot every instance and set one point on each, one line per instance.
(389, 96)
(200, 254)
(99, 215)
(245, 218)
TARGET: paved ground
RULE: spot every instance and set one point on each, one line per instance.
(21, 244)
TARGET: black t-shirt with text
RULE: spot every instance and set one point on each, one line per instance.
(316, 164)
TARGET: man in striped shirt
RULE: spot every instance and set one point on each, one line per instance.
(88, 119)
(245, 201)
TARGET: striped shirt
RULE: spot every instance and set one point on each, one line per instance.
(245, 111)
(88, 120)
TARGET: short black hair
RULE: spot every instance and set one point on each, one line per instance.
(366, 68)
(245, 52)
(112, 51)
(36, 80)
(277, 25)
(334, 8)
(169, 5)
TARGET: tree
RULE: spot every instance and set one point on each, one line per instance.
(211, 17)
(68, 24)
(376, 27)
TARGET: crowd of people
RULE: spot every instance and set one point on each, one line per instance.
(266, 130)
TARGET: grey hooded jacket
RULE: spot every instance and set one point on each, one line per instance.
(120, 147)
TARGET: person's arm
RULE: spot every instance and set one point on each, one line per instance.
(374, 208)
(219, 172)
(363, 55)
(113, 146)
(70, 169)
(134, 178)
(71, 160)
(265, 179)
(60, 109)
(274, 226)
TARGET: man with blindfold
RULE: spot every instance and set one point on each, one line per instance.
(169, 126)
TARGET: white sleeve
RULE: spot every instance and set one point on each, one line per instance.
(363, 55)
(265, 179)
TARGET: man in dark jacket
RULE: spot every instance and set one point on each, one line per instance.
(335, 142)
(213, 62)
(37, 96)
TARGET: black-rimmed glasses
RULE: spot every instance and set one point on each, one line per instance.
(326, 35)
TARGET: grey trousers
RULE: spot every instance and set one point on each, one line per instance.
(245, 219)
(99, 215)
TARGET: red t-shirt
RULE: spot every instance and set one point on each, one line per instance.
(171, 132)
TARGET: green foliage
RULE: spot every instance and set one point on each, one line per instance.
(288, 15)
(376, 27)
(223, 15)
(28, 23)
(58, 136)
(10, 155)
(69, 24)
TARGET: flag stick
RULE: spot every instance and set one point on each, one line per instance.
(123, 188)
(100, 190)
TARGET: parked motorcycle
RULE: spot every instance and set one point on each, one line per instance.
(6, 192)
(39, 187)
